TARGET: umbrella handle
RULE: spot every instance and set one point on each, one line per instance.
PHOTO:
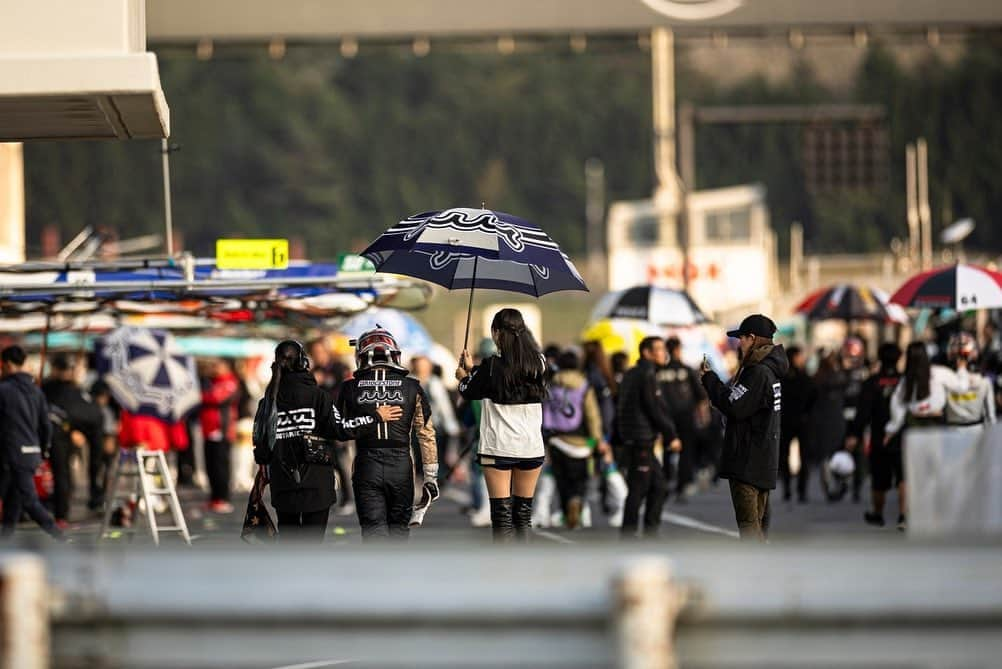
(469, 308)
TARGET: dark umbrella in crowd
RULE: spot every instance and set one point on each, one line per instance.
(661, 306)
(959, 287)
(148, 373)
(475, 248)
(848, 302)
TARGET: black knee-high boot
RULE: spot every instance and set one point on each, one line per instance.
(522, 517)
(501, 520)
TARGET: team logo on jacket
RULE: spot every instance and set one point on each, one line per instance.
(295, 422)
(381, 397)
(737, 392)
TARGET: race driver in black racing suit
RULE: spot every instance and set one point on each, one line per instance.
(383, 477)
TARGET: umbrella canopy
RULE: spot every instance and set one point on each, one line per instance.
(148, 373)
(475, 248)
(661, 306)
(848, 302)
(959, 287)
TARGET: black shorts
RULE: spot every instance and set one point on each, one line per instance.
(886, 468)
(507, 464)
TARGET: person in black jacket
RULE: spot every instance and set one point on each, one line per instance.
(681, 390)
(799, 394)
(81, 420)
(643, 416)
(301, 470)
(24, 415)
(383, 479)
(752, 405)
(874, 411)
(856, 369)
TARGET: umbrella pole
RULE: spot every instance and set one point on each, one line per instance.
(469, 308)
(45, 346)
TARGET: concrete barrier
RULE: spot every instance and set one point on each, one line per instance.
(954, 481)
(843, 603)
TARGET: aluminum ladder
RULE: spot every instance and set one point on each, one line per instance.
(136, 465)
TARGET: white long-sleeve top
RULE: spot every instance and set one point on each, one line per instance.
(973, 402)
(941, 382)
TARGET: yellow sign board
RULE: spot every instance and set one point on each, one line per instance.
(252, 253)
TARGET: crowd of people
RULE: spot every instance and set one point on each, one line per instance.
(540, 436)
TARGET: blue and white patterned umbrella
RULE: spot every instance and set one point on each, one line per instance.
(475, 248)
(148, 373)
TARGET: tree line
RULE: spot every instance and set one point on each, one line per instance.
(333, 150)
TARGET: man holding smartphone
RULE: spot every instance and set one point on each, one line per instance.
(752, 403)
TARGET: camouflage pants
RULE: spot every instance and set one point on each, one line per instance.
(751, 510)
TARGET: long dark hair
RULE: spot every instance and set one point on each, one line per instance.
(518, 348)
(918, 372)
(289, 357)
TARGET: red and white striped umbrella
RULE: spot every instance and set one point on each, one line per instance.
(959, 287)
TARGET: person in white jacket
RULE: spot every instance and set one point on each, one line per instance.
(973, 403)
(920, 398)
(918, 401)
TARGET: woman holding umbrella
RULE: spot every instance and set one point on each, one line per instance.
(511, 385)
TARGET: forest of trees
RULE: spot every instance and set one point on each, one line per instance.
(334, 150)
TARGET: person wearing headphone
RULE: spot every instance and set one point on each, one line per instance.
(301, 462)
(383, 478)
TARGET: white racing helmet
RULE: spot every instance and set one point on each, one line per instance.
(376, 347)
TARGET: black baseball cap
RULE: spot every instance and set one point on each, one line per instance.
(756, 324)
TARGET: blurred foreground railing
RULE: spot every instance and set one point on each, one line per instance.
(849, 603)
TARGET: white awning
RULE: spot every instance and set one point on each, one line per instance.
(90, 97)
(78, 70)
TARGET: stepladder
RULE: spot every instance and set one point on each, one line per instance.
(142, 479)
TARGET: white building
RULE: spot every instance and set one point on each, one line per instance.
(732, 248)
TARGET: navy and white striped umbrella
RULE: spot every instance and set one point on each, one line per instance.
(475, 248)
(148, 373)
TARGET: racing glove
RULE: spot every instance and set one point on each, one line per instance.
(431, 481)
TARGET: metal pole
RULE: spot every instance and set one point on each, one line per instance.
(168, 221)
(663, 89)
(594, 213)
(924, 212)
(469, 308)
(668, 195)
(24, 612)
(796, 255)
(44, 353)
(687, 145)
(913, 216)
(645, 608)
